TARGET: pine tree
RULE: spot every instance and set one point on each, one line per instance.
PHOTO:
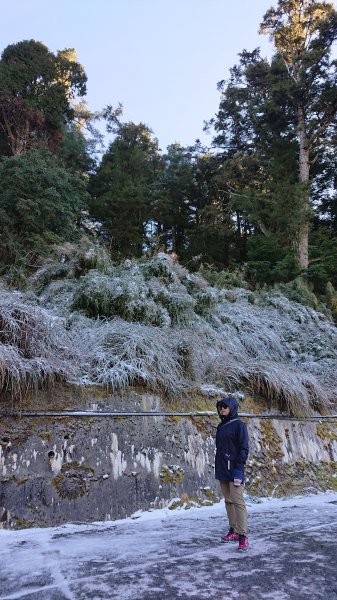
(122, 188)
(256, 146)
(303, 32)
(36, 93)
(40, 202)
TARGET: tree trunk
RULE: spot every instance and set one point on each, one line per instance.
(304, 176)
(17, 132)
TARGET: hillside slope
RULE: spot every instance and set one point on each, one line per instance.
(154, 324)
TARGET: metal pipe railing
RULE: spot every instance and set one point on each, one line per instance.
(115, 414)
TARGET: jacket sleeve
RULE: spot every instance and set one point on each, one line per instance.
(243, 447)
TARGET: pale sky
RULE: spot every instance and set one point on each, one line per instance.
(161, 59)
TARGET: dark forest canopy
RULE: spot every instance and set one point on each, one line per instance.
(36, 93)
(262, 199)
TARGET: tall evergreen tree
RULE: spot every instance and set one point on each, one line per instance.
(122, 189)
(40, 202)
(37, 89)
(276, 124)
(256, 145)
(176, 193)
(303, 32)
(212, 236)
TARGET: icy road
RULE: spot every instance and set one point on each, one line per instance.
(171, 555)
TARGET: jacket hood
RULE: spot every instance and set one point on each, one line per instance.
(233, 405)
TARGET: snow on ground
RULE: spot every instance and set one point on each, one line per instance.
(169, 555)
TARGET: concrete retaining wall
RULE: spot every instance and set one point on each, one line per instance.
(85, 469)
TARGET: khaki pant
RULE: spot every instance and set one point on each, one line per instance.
(235, 506)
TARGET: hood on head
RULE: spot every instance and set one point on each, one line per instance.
(233, 405)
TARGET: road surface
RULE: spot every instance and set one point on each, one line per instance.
(171, 555)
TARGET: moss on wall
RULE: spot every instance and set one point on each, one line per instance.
(269, 475)
(73, 481)
(326, 432)
(173, 474)
(21, 523)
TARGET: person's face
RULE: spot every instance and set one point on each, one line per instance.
(224, 410)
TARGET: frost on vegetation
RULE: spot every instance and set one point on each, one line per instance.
(195, 281)
(134, 294)
(159, 267)
(205, 300)
(34, 346)
(119, 354)
(59, 296)
(224, 279)
(70, 261)
(180, 306)
(296, 291)
(126, 296)
(153, 324)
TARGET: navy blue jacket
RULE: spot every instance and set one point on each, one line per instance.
(231, 444)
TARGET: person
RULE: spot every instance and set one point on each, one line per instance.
(231, 454)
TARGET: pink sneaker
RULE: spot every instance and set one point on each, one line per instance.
(231, 536)
(243, 543)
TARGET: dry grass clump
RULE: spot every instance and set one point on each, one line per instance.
(119, 354)
(33, 348)
(291, 389)
(20, 375)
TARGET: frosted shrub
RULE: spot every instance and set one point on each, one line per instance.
(160, 266)
(70, 261)
(50, 270)
(34, 347)
(101, 295)
(179, 306)
(331, 300)
(163, 333)
(119, 354)
(58, 265)
(224, 279)
(205, 300)
(166, 268)
(126, 296)
(147, 311)
(298, 292)
(59, 296)
(194, 282)
(19, 375)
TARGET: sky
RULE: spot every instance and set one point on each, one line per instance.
(161, 59)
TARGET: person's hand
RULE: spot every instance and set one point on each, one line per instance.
(238, 476)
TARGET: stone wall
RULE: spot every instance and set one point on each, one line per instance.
(57, 470)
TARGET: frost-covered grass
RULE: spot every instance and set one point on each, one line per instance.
(154, 324)
(34, 346)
